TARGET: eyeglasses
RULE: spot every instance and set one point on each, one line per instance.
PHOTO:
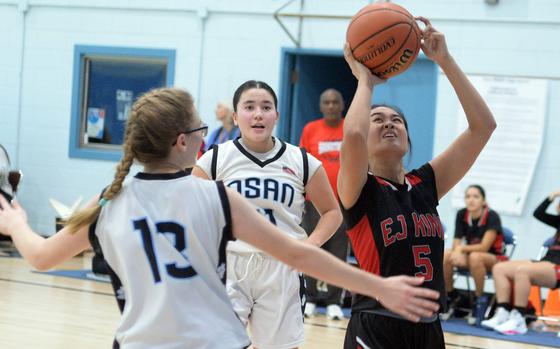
(203, 128)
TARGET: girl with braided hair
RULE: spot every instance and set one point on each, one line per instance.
(164, 234)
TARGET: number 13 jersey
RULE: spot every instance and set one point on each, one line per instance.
(164, 239)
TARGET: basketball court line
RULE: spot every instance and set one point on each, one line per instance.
(57, 287)
(32, 283)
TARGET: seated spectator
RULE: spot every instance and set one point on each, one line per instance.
(228, 130)
(477, 246)
(521, 275)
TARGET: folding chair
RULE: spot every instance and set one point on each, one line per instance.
(546, 310)
(511, 242)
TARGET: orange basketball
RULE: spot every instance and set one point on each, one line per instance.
(385, 38)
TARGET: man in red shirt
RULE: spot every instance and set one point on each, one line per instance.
(322, 139)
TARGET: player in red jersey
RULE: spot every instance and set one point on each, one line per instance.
(391, 215)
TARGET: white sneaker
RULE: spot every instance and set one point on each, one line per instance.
(499, 318)
(334, 312)
(310, 309)
(514, 325)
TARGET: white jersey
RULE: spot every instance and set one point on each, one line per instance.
(164, 239)
(274, 182)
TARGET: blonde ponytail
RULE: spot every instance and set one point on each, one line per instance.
(155, 120)
(88, 215)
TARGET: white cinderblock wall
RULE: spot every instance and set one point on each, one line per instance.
(219, 44)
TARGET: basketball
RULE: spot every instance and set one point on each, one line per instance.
(385, 38)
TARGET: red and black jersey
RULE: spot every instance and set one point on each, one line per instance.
(395, 229)
(553, 253)
(473, 230)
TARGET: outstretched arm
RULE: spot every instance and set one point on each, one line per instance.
(399, 294)
(41, 253)
(353, 151)
(451, 165)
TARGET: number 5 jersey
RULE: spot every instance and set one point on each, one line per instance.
(395, 229)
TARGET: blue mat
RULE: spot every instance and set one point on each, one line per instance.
(460, 326)
(83, 274)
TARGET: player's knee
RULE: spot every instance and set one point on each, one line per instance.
(498, 269)
(475, 259)
(522, 271)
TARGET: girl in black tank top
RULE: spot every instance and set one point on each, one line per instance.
(521, 275)
(391, 215)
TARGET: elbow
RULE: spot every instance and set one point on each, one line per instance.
(485, 131)
(39, 259)
(40, 263)
(338, 218)
(492, 125)
(294, 259)
(354, 132)
(299, 258)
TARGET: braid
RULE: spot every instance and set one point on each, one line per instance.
(122, 170)
(88, 215)
(154, 120)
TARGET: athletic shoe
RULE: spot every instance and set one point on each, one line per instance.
(334, 312)
(499, 318)
(310, 309)
(477, 315)
(451, 305)
(514, 325)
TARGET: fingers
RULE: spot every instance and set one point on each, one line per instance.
(419, 311)
(426, 293)
(413, 281)
(423, 20)
(429, 32)
(414, 313)
(348, 53)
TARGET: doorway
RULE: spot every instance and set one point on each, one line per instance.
(306, 73)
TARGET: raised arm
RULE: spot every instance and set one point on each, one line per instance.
(321, 195)
(399, 294)
(451, 165)
(41, 253)
(353, 151)
(546, 218)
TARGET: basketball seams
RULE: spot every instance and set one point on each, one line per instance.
(397, 50)
(381, 31)
(406, 14)
(380, 45)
